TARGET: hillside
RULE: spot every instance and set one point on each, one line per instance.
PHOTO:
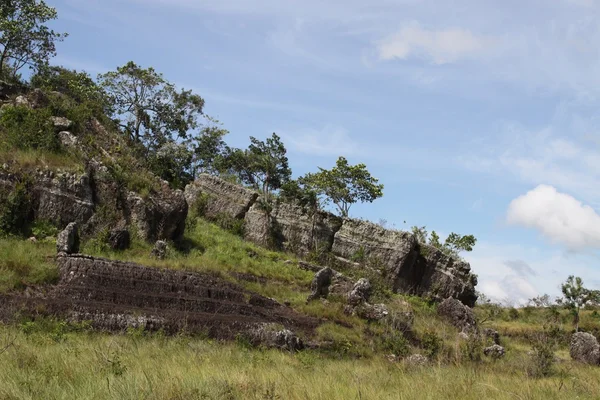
(123, 279)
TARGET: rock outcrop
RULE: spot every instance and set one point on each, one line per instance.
(360, 293)
(320, 284)
(219, 197)
(68, 240)
(495, 351)
(585, 348)
(457, 314)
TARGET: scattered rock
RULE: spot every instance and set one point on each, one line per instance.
(458, 314)
(67, 139)
(119, 239)
(68, 240)
(360, 293)
(21, 101)
(160, 249)
(585, 348)
(273, 335)
(320, 284)
(416, 360)
(496, 352)
(61, 123)
(492, 334)
(371, 312)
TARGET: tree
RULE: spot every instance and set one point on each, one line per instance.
(345, 185)
(453, 244)
(154, 111)
(577, 296)
(172, 162)
(209, 148)
(24, 39)
(541, 301)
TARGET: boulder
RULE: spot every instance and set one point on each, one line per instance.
(585, 348)
(320, 284)
(221, 197)
(371, 312)
(495, 351)
(389, 251)
(160, 216)
(416, 360)
(68, 240)
(67, 139)
(22, 101)
(273, 335)
(457, 314)
(61, 123)
(38, 98)
(360, 293)
(492, 334)
(160, 249)
(119, 239)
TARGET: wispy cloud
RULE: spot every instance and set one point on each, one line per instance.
(439, 46)
(328, 141)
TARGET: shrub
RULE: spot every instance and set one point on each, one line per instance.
(15, 209)
(542, 355)
(395, 343)
(431, 343)
(24, 128)
(513, 313)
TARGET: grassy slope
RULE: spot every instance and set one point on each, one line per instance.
(49, 363)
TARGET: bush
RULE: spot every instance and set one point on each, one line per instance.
(15, 207)
(542, 355)
(395, 343)
(24, 128)
(432, 344)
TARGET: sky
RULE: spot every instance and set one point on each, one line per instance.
(479, 117)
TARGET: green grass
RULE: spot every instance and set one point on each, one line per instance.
(23, 263)
(80, 365)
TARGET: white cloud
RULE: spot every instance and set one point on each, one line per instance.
(329, 141)
(558, 216)
(440, 46)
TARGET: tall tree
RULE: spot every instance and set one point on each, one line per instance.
(209, 147)
(24, 39)
(154, 112)
(345, 185)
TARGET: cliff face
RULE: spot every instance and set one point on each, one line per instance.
(408, 266)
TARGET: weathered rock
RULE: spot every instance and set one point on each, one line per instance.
(492, 334)
(320, 284)
(67, 139)
(160, 249)
(401, 317)
(371, 312)
(496, 351)
(439, 276)
(61, 123)
(221, 197)
(416, 360)
(360, 293)
(273, 335)
(38, 98)
(62, 198)
(389, 250)
(457, 314)
(119, 239)
(160, 216)
(22, 101)
(68, 240)
(585, 348)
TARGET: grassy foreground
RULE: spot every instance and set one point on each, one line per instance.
(83, 365)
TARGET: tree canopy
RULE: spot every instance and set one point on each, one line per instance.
(25, 40)
(344, 185)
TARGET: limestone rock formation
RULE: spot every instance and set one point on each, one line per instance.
(119, 239)
(360, 293)
(585, 348)
(416, 360)
(68, 240)
(320, 284)
(160, 249)
(495, 351)
(61, 123)
(371, 312)
(458, 314)
(272, 335)
(221, 197)
(160, 216)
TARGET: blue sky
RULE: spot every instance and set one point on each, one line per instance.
(478, 116)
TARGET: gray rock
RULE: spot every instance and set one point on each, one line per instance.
(371, 312)
(320, 284)
(61, 123)
(492, 334)
(38, 98)
(67, 139)
(585, 348)
(222, 197)
(160, 249)
(360, 293)
(496, 351)
(119, 239)
(390, 250)
(457, 314)
(160, 216)
(273, 335)
(21, 101)
(68, 240)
